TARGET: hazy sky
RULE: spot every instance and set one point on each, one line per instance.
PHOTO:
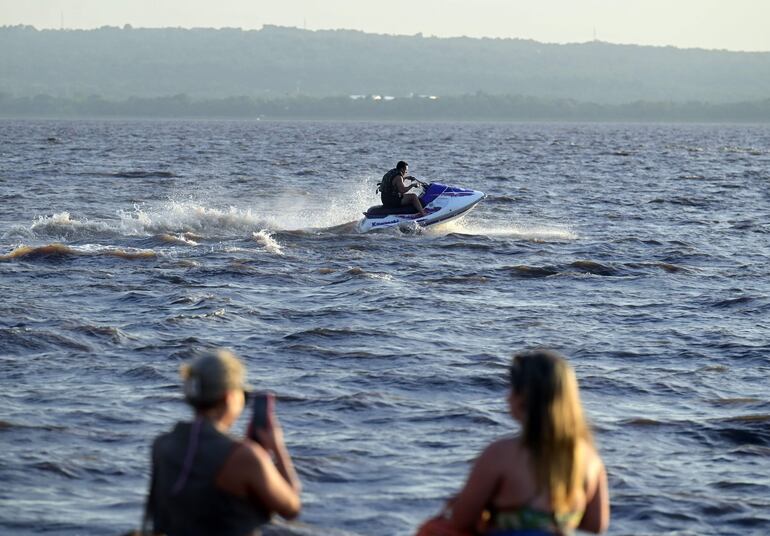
(720, 24)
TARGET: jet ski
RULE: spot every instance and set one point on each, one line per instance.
(442, 203)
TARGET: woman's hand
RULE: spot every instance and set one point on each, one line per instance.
(271, 437)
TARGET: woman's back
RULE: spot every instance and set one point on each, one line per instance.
(518, 503)
(550, 478)
(186, 500)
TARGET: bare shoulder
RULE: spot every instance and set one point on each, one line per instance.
(244, 468)
(594, 463)
(503, 461)
(249, 454)
(506, 447)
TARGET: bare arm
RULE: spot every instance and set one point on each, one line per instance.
(285, 467)
(477, 492)
(275, 491)
(597, 515)
(399, 184)
(250, 473)
(264, 472)
(271, 438)
(279, 468)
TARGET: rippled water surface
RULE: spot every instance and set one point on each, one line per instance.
(640, 251)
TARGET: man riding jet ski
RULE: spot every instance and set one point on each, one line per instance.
(437, 204)
(393, 192)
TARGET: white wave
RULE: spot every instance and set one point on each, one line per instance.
(349, 204)
(338, 206)
(270, 244)
(287, 211)
(60, 226)
(175, 221)
(187, 221)
(190, 217)
(381, 277)
(181, 238)
(534, 233)
(18, 232)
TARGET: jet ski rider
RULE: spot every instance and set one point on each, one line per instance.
(394, 192)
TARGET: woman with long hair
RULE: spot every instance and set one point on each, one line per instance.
(550, 478)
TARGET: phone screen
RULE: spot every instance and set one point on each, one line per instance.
(262, 406)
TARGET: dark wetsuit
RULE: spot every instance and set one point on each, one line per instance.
(389, 194)
(184, 499)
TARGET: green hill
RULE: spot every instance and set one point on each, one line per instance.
(118, 63)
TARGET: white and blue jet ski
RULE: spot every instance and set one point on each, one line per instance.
(442, 203)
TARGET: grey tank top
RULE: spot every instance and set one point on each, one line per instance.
(184, 499)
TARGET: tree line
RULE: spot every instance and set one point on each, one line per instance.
(474, 107)
(206, 63)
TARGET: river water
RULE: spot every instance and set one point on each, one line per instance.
(639, 251)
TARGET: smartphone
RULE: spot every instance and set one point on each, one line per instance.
(262, 408)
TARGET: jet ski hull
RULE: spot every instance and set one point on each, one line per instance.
(442, 204)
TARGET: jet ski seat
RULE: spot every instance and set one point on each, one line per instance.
(380, 211)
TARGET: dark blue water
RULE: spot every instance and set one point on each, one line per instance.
(640, 251)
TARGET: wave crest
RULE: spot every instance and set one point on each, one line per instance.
(270, 244)
(532, 233)
(54, 252)
(177, 217)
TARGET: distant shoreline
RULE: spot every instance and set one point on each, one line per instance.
(477, 107)
(229, 68)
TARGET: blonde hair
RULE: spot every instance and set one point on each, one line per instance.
(554, 429)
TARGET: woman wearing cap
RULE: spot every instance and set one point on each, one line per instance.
(550, 478)
(203, 481)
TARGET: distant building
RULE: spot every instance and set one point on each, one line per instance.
(376, 97)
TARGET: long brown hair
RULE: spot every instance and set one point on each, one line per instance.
(554, 429)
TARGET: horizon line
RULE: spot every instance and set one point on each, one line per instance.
(128, 26)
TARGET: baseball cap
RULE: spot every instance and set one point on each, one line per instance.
(211, 375)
